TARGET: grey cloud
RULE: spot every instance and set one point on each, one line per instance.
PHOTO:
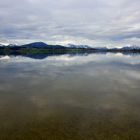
(94, 22)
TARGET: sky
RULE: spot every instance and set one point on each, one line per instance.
(89, 22)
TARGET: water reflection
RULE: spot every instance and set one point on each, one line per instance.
(90, 96)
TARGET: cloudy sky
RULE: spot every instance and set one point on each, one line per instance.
(91, 22)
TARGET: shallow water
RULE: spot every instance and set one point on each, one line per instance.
(70, 97)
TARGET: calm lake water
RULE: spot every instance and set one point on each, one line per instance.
(70, 97)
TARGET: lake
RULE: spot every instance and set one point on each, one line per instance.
(70, 97)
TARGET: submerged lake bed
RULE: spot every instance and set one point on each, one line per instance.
(70, 97)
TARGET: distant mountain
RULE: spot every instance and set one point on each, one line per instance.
(129, 48)
(86, 47)
(35, 45)
(2, 45)
(12, 45)
(71, 46)
(42, 45)
(78, 46)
